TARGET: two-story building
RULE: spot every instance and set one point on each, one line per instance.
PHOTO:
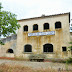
(45, 35)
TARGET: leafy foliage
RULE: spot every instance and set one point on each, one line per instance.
(8, 23)
(70, 42)
(1, 42)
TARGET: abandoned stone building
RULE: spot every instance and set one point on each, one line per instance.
(45, 35)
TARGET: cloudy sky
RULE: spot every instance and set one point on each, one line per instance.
(34, 8)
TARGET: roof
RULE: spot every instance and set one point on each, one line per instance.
(43, 16)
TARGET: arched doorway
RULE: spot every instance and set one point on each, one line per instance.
(10, 53)
(27, 48)
(47, 47)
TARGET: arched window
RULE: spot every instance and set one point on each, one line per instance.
(10, 51)
(25, 28)
(46, 26)
(27, 48)
(35, 27)
(57, 25)
(47, 48)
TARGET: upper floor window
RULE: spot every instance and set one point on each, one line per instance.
(26, 28)
(35, 27)
(57, 25)
(46, 26)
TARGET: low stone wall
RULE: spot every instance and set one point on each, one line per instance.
(10, 43)
(9, 38)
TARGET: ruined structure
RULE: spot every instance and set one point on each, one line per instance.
(9, 49)
(47, 36)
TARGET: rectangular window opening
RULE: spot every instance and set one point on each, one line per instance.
(64, 49)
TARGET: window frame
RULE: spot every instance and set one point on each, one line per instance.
(25, 49)
(34, 27)
(46, 26)
(25, 29)
(57, 23)
(47, 48)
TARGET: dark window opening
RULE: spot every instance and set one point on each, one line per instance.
(35, 27)
(63, 48)
(48, 48)
(46, 26)
(57, 25)
(25, 28)
(10, 51)
(27, 48)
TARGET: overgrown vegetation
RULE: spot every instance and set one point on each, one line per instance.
(69, 60)
(9, 68)
(58, 60)
(8, 23)
(70, 47)
(18, 68)
(37, 57)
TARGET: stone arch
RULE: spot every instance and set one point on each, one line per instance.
(47, 47)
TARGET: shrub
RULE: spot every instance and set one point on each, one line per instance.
(69, 60)
(37, 57)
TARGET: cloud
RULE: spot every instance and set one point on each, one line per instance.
(32, 8)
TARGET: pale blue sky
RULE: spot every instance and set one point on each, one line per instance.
(34, 8)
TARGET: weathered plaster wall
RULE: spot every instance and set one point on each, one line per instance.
(61, 37)
(10, 43)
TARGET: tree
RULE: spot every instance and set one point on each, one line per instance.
(8, 23)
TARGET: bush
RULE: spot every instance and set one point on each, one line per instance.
(69, 60)
(58, 60)
(37, 57)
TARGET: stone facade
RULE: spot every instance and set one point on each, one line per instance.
(41, 44)
(10, 43)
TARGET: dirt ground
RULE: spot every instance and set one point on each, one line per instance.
(36, 64)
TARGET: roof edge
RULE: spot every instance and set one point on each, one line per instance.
(46, 16)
